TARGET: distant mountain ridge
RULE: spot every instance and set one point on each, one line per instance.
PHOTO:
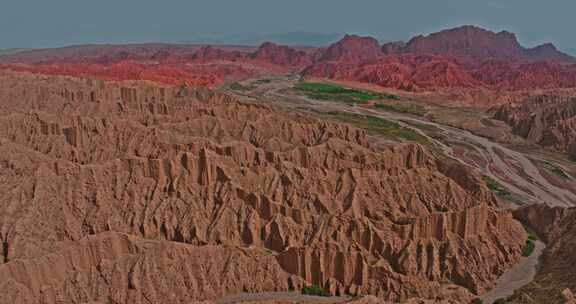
(479, 44)
(466, 43)
(466, 57)
(10, 51)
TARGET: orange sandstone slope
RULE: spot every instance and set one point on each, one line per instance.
(135, 193)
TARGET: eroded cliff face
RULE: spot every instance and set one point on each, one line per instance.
(112, 267)
(133, 193)
(547, 120)
(554, 280)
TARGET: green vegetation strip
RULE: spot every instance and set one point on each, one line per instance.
(402, 108)
(531, 234)
(378, 126)
(315, 290)
(530, 245)
(331, 92)
(528, 248)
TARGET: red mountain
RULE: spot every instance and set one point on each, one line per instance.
(467, 42)
(547, 120)
(474, 43)
(282, 55)
(352, 49)
(463, 57)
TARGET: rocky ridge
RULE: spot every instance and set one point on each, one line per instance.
(132, 193)
(467, 57)
(463, 61)
(193, 66)
(547, 120)
(472, 44)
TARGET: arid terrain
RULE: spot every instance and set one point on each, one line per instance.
(440, 170)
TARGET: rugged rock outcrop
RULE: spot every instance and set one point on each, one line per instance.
(207, 66)
(557, 226)
(282, 55)
(112, 267)
(569, 297)
(474, 44)
(547, 120)
(352, 49)
(463, 58)
(548, 51)
(468, 42)
(124, 190)
(392, 48)
(209, 53)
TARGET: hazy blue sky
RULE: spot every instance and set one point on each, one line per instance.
(47, 23)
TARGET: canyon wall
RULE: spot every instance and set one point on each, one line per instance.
(555, 277)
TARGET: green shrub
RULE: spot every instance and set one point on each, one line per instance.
(402, 108)
(528, 248)
(477, 301)
(315, 290)
(531, 234)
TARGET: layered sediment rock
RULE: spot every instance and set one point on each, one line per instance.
(126, 189)
(468, 41)
(417, 71)
(555, 276)
(472, 44)
(352, 49)
(464, 58)
(282, 55)
(547, 120)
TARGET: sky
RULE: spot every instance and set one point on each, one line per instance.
(52, 23)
